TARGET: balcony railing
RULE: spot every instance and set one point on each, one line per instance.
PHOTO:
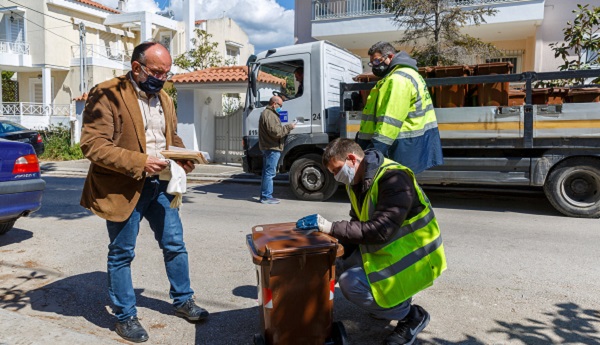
(324, 9)
(100, 51)
(8, 47)
(36, 109)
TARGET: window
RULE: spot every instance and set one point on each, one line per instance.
(232, 55)
(292, 74)
(17, 28)
(165, 40)
(36, 94)
(515, 57)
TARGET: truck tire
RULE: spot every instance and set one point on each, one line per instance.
(573, 187)
(310, 180)
(6, 225)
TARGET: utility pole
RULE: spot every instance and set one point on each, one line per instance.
(82, 56)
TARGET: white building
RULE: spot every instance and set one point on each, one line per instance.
(40, 40)
(523, 29)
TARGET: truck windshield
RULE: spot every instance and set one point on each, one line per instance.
(282, 78)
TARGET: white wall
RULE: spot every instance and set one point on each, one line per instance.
(556, 15)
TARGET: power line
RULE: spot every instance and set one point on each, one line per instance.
(71, 24)
(29, 8)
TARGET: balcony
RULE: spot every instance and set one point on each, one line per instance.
(14, 54)
(37, 115)
(324, 10)
(101, 55)
(353, 24)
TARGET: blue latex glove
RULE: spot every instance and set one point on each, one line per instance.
(308, 222)
(314, 221)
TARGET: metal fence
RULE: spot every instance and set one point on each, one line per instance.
(36, 109)
(323, 9)
(101, 51)
(8, 47)
(228, 137)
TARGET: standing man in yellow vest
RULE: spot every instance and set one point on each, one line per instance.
(392, 244)
(398, 119)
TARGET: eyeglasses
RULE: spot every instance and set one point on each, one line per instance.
(161, 76)
(377, 62)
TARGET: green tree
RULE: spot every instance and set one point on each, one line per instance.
(432, 30)
(204, 55)
(582, 40)
(10, 92)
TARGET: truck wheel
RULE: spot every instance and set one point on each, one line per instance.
(310, 180)
(573, 187)
(338, 334)
(5, 226)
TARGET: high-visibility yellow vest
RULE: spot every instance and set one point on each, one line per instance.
(399, 120)
(412, 259)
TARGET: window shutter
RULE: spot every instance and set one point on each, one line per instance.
(16, 29)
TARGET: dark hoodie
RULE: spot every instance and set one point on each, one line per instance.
(402, 58)
(397, 201)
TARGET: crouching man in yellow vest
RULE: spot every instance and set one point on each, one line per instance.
(393, 248)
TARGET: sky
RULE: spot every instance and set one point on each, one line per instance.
(268, 23)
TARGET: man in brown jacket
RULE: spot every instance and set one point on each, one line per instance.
(127, 122)
(271, 135)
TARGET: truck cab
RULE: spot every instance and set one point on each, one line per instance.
(316, 109)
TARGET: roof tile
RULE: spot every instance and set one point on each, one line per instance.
(98, 5)
(228, 74)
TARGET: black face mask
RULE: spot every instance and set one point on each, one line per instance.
(380, 70)
(152, 85)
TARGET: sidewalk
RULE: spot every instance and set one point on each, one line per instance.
(203, 172)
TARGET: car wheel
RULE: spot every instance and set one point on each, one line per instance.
(310, 180)
(5, 226)
(573, 187)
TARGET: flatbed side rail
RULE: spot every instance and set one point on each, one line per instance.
(527, 77)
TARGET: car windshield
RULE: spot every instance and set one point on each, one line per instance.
(7, 127)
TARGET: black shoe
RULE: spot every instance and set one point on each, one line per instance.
(191, 311)
(132, 330)
(407, 329)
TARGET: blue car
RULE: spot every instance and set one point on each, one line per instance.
(21, 187)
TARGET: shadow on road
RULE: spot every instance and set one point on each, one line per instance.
(15, 235)
(86, 295)
(61, 199)
(491, 200)
(569, 324)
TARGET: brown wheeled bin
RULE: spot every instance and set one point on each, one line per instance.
(584, 95)
(450, 96)
(296, 283)
(493, 94)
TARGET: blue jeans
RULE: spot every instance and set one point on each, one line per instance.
(355, 287)
(154, 205)
(269, 170)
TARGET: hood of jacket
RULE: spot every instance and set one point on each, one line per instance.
(403, 59)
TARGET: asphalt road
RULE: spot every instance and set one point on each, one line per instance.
(519, 272)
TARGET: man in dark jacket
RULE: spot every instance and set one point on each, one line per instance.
(271, 135)
(393, 248)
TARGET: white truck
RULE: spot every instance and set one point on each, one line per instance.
(556, 147)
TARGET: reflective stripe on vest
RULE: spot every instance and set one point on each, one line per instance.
(409, 114)
(412, 258)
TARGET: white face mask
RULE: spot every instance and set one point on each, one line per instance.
(346, 174)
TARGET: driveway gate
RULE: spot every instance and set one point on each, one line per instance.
(228, 137)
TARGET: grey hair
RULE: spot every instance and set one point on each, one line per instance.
(383, 48)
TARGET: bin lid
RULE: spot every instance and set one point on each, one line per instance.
(284, 239)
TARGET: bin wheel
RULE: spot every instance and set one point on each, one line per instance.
(259, 339)
(338, 334)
